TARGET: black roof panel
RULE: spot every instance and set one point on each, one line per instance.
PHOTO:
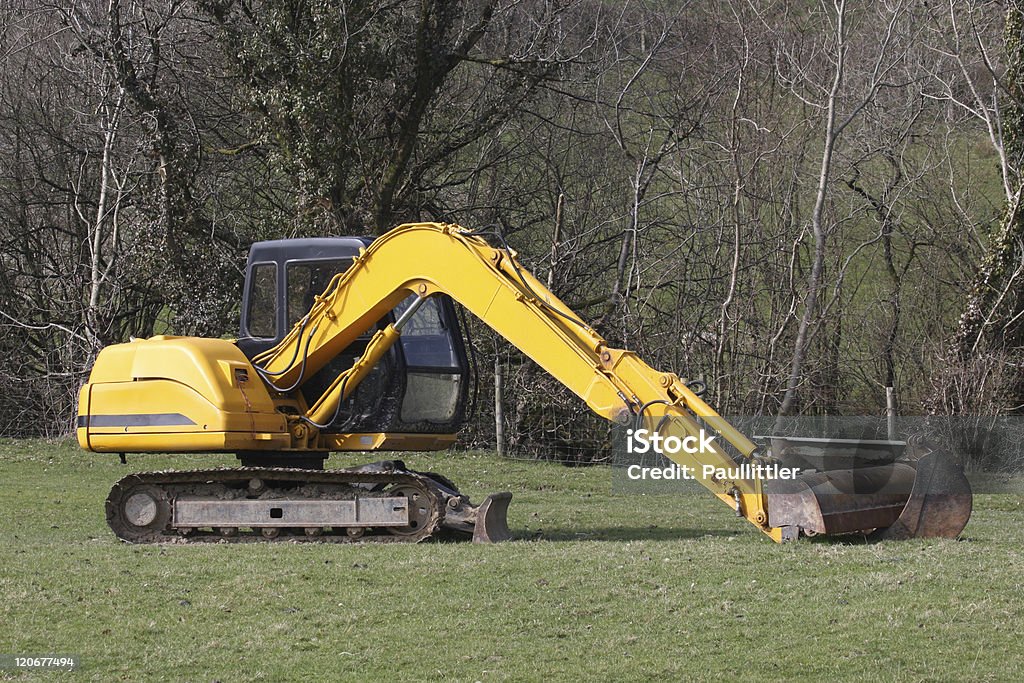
(303, 248)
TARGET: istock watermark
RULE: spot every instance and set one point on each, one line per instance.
(681, 472)
(645, 458)
(640, 441)
(674, 454)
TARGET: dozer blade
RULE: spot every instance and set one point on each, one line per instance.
(929, 497)
(492, 519)
(484, 523)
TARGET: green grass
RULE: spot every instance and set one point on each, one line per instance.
(608, 587)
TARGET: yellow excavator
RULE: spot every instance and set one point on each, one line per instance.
(349, 344)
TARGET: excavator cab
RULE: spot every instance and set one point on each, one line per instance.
(419, 387)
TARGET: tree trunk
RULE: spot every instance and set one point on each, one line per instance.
(817, 229)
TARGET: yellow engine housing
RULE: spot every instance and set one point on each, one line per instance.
(177, 394)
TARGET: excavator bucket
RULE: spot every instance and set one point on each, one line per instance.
(924, 497)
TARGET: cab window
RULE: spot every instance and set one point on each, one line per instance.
(306, 280)
(426, 340)
(262, 314)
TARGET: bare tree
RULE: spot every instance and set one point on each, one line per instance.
(830, 100)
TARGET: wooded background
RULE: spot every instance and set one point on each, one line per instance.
(801, 203)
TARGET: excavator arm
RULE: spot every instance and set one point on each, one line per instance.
(428, 258)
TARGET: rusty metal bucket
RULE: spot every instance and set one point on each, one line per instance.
(924, 496)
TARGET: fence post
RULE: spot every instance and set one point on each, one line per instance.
(890, 412)
(499, 408)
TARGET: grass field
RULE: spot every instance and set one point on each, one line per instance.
(603, 587)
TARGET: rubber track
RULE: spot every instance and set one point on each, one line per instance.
(278, 475)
